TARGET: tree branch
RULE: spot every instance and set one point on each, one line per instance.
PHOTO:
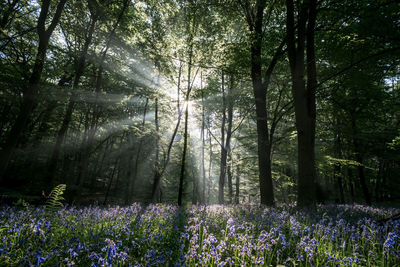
(394, 49)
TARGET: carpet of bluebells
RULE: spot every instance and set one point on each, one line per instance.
(164, 235)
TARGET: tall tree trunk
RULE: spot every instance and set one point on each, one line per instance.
(183, 162)
(379, 179)
(237, 185)
(157, 171)
(45, 125)
(195, 193)
(111, 180)
(98, 170)
(115, 168)
(229, 136)
(157, 178)
(210, 163)
(139, 151)
(383, 190)
(156, 160)
(255, 22)
(46, 114)
(221, 182)
(359, 159)
(129, 172)
(83, 164)
(337, 168)
(185, 133)
(96, 106)
(351, 184)
(71, 105)
(303, 94)
(227, 145)
(31, 91)
(191, 27)
(203, 167)
(230, 176)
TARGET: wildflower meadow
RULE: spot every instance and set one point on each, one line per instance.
(216, 235)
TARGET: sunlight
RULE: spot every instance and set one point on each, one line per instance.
(189, 105)
(194, 112)
(156, 102)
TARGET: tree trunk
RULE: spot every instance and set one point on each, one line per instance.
(70, 107)
(191, 29)
(237, 186)
(138, 154)
(98, 170)
(157, 171)
(230, 176)
(383, 190)
(224, 153)
(195, 193)
(350, 174)
(203, 167)
(96, 107)
(359, 159)
(84, 161)
(185, 134)
(210, 163)
(303, 95)
(157, 178)
(129, 172)
(255, 22)
(48, 112)
(337, 168)
(45, 125)
(111, 180)
(228, 138)
(31, 91)
(183, 162)
(156, 161)
(379, 179)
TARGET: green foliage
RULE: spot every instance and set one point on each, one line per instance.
(395, 144)
(21, 202)
(54, 199)
(344, 162)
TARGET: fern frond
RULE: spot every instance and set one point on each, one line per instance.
(55, 197)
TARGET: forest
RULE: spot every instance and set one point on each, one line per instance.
(200, 132)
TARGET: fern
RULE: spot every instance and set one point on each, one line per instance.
(54, 199)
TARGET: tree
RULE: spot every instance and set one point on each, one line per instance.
(255, 20)
(31, 90)
(96, 106)
(80, 67)
(191, 27)
(303, 90)
(227, 107)
(119, 112)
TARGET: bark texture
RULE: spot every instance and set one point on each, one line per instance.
(303, 90)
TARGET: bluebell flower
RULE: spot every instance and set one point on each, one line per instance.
(343, 245)
(40, 260)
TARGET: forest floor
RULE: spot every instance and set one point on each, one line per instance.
(165, 235)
